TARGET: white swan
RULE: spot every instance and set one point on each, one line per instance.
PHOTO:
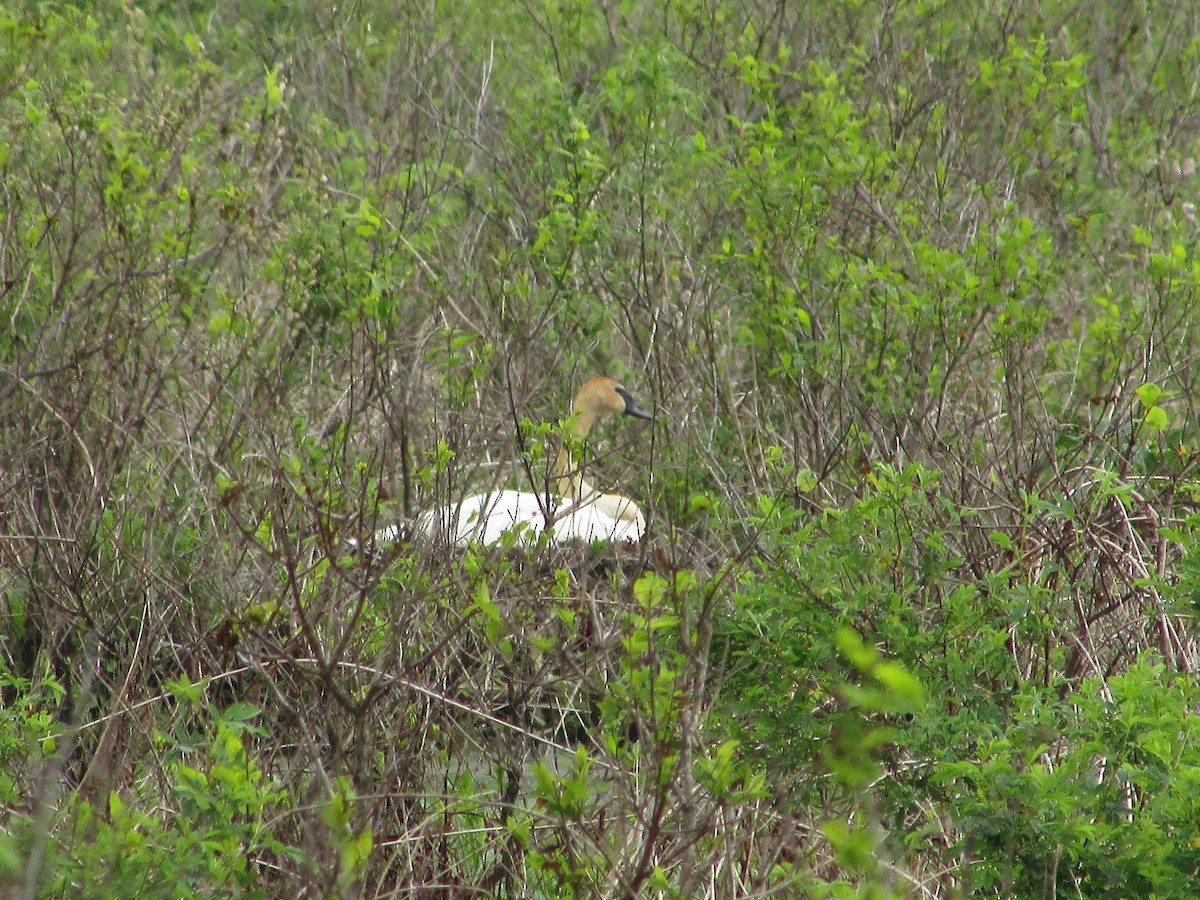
(578, 513)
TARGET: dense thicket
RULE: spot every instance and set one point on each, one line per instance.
(913, 289)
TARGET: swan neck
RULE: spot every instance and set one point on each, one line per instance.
(568, 477)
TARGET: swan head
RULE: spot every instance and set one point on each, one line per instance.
(606, 395)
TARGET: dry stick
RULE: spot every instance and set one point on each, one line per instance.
(355, 667)
(74, 433)
(108, 736)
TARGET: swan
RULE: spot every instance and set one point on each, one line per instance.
(579, 512)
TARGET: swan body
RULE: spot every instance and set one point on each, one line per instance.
(486, 518)
(577, 513)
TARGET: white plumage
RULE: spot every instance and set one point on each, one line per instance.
(486, 518)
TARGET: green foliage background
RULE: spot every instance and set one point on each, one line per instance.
(913, 289)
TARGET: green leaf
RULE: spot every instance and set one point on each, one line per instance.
(1156, 419)
(1149, 394)
(241, 712)
(186, 690)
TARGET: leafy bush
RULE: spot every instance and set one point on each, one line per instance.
(912, 288)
